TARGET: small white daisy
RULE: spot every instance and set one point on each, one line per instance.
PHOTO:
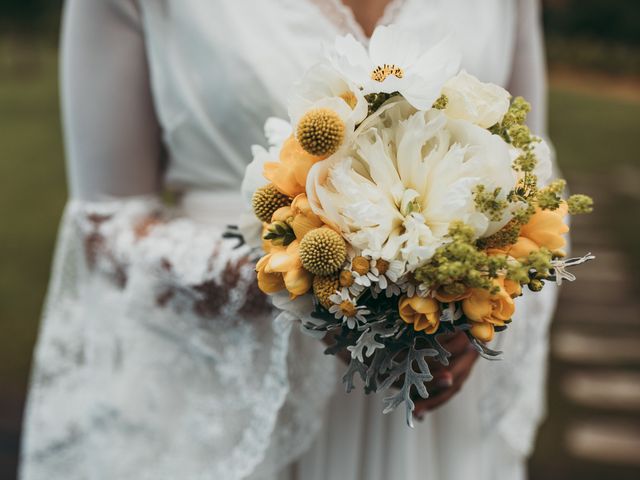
(360, 267)
(387, 273)
(345, 308)
(410, 288)
(347, 280)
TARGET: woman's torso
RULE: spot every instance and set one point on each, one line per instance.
(219, 68)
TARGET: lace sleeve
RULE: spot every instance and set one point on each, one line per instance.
(157, 357)
(162, 348)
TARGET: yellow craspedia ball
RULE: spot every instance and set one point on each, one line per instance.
(323, 251)
(267, 200)
(324, 287)
(320, 132)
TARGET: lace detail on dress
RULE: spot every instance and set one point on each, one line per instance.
(159, 359)
(342, 16)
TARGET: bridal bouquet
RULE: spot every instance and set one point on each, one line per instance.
(405, 199)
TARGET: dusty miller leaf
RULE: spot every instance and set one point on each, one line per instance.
(367, 344)
(355, 366)
(412, 378)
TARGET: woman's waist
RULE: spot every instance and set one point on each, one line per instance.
(220, 207)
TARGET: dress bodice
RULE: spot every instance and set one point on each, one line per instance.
(219, 68)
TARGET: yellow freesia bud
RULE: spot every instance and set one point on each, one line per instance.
(282, 268)
(304, 220)
(298, 281)
(269, 282)
(483, 331)
(423, 313)
(289, 175)
(545, 229)
(282, 214)
(484, 307)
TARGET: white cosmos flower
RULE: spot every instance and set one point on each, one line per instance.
(414, 63)
(324, 87)
(394, 193)
(470, 99)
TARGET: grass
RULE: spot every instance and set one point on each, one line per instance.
(31, 199)
(593, 133)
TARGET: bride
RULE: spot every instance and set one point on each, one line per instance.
(158, 358)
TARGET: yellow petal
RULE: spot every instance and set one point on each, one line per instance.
(282, 214)
(298, 281)
(546, 228)
(270, 282)
(482, 331)
(423, 313)
(478, 305)
(522, 248)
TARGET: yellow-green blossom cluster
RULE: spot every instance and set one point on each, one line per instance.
(579, 204)
(550, 197)
(489, 202)
(459, 264)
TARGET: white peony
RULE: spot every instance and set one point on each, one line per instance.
(408, 174)
(415, 64)
(324, 87)
(470, 99)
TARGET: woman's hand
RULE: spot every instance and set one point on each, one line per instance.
(447, 381)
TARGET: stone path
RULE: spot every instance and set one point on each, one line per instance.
(593, 428)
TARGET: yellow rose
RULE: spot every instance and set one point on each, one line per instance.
(304, 220)
(423, 313)
(487, 311)
(545, 229)
(289, 175)
(282, 268)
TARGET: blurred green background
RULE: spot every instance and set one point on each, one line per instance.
(593, 428)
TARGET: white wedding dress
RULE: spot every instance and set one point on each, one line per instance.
(158, 358)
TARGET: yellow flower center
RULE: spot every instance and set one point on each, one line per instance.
(348, 308)
(382, 266)
(350, 98)
(346, 278)
(322, 251)
(381, 72)
(320, 132)
(323, 288)
(360, 265)
(267, 200)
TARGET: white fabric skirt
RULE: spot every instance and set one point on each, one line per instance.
(358, 442)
